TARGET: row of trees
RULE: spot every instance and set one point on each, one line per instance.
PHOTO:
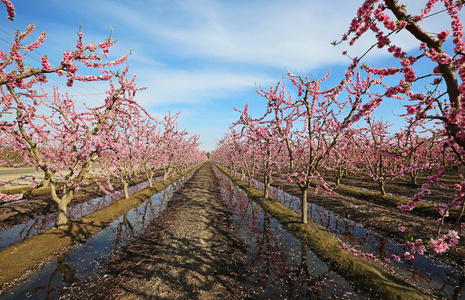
(370, 151)
(332, 128)
(65, 138)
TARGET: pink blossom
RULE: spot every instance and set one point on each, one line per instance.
(411, 109)
(408, 256)
(10, 9)
(91, 47)
(409, 74)
(9, 198)
(443, 35)
(45, 63)
(395, 257)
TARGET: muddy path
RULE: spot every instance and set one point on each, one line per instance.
(191, 251)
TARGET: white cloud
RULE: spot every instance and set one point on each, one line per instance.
(174, 86)
(294, 35)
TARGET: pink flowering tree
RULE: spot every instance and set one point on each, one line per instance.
(262, 133)
(228, 154)
(438, 63)
(176, 150)
(172, 140)
(377, 153)
(189, 153)
(237, 153)
(310, 127)
(247, 154)
(48, 130)
(343, 158)
(151, 148)
(126, 145)
(417, 150)
(63, 142)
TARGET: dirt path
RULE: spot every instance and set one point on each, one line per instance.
(190, 252)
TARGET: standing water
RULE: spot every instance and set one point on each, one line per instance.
(79, 263)
(279, 266)
(16, 234)
(441, 279)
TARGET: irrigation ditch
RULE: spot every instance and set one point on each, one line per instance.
(157, 245)
(25, 260)
(371, 278)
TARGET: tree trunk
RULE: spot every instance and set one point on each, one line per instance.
(413, 177)
(249, 175)
(125, 188)
(267, 183)
(150, 178)
(46, 181)
(266, 191)
(150, 175)
(304, 205)
(62, 212)
(62, 201)
(381, 187)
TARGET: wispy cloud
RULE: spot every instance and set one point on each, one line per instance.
(176, 86)
(293, 35)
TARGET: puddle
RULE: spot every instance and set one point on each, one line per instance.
(16, 234)
(443, 280)
(80, 263)
(280, 266)
(11, 202)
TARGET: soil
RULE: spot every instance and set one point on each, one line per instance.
(42, 204)
(382, 218)
(403, 187)
(192, 251)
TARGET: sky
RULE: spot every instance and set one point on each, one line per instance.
(203, 57)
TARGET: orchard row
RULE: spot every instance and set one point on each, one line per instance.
(312, 126)
(65, 138)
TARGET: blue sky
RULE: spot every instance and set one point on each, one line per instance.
(204, 57)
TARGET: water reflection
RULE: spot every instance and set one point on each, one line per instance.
(279, 265)
(83, 262)
(14, 235)
(441, 279)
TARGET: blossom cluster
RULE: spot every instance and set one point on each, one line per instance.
(10, 9)
(9, 198)
(446, 242)
(37, 43)
(45, 63)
